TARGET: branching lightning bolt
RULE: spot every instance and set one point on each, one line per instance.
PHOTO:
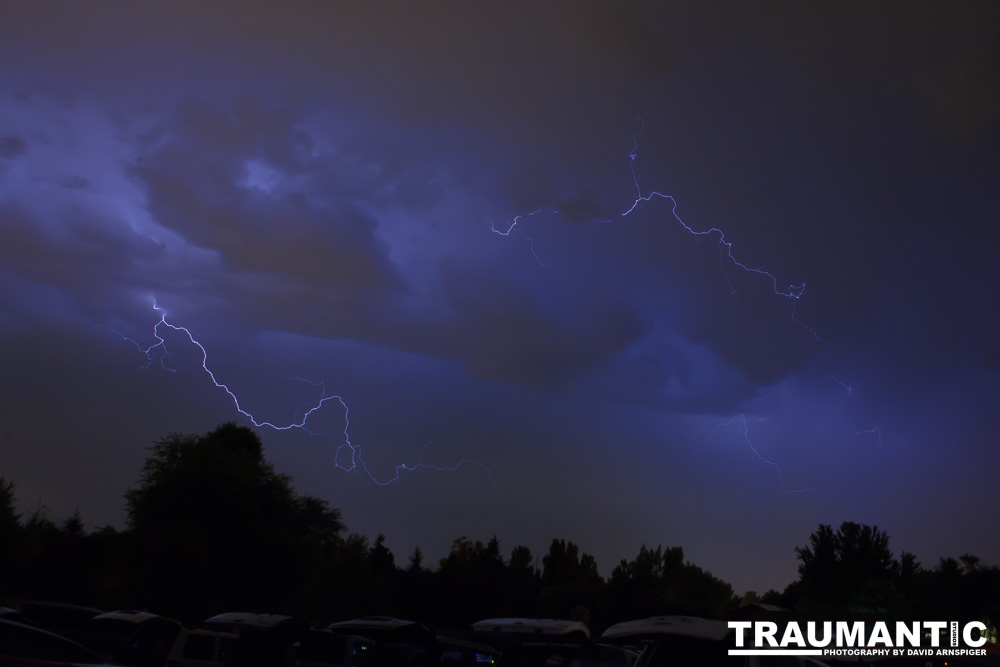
(847, 387)
(159, 352)
(874, 430)
(744, 421)
(792, 292)
(777, 468)
(514, 227)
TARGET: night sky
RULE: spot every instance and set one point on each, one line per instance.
(329, 191)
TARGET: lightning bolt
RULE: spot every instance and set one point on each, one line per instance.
(348, 456)
(792, 292)
(514, 227)
(743, 420)
(847, 388)
(777, 468)
(874, 430)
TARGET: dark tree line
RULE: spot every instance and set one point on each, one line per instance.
(852, 569)
(212, 527)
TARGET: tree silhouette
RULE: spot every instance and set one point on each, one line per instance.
(850, 569)
(8, 513)
(570, 582)
(416, 589)
(961, 588)
(341, 584)
(212, 527)
(416, 562)
(471, 582)
(659, 581)
(216, 527)
(10, 534)
(384, 577)
(523, 583)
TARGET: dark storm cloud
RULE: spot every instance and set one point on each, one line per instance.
(206, 177)
(495, 63)
(539, 341)
(86, 255)
(244, 182)
(314, 189)
(583, 208)
(963, 101)
(11, 147)
(198, 179)
(74, 183)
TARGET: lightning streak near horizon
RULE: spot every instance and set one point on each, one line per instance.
(159, 351)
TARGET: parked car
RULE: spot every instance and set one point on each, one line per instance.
(201, 648)
(459, 652)
(549, 654)
(387, 628)
(130, 637)
(689, 641)
(237, 620)
(538, 642)
(520, 628)
(12, 614)
(67, 620)
(325, 648)
(663, 627)
(264, 639)
(23, 645)
(396, 641)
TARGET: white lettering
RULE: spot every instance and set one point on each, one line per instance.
(907, 634)
(850, 634)
(935, 628)
(765, 630)
(792, 634)
(739, 626)
(967, 634)
(827, 634)
(880, 635)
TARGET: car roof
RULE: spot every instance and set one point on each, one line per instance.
(129, 615)
(657, 626)
(313, 633)
(374, 622)
(386, 628)
(463, 643)
(53, 637)
(207, 631)
(535, 626)
(45, 604)
(247, 618)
